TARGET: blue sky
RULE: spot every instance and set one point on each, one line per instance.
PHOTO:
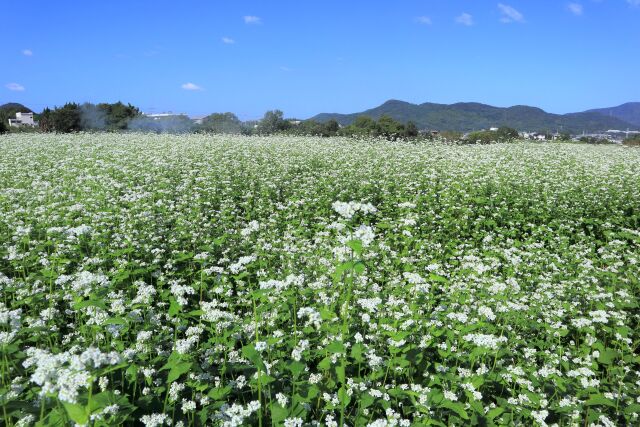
(306, 57)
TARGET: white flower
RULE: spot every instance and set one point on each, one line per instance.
(348, 209)
(282, 400)
(293, 422)
(540, 416)
(155, 420)
(449, 395)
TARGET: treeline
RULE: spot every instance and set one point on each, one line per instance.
(118, 117)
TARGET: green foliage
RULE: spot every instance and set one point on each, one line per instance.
(87, 117)
(273, 122)
(4, 127)
(593, 140)
(503, 134)
(385, 126)
(313, 128)
(64, 119)
(507, 134)
(482, 137)
(222, 123)
(451, 136)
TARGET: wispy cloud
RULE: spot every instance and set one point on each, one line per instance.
(191, 86)
(286, 69)
(509, 14)
(228, 40)
(27, 52)
(249, 19)
(465, 19)
(424, 20)
(16, 87)
(575, 8)
(634, 2)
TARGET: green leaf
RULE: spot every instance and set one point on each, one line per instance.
(456, 407)
(250, 352)
(340, 373)
(355, 245)
(607, 356)
(343, 396)
(599, 400)
(219, 393)
(325, 363)
(177, 370)
(278, 413)
(336, 347)
(438, 278)
(495, 412)
(366, 400)
(356, 352)
(296, 367)
(77, 413)
(174, 307)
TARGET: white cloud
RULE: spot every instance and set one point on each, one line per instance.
(575, 8)
(634, 2)
(27, 52)
(228, 40)
(252, 19)
(191, 86)
(465, 19)
(509, 14)
(16, 87)
(286, 69)
(423, 20)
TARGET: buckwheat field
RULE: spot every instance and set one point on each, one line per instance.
(223, 281)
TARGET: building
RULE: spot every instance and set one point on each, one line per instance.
(160, 116)
(23, 119)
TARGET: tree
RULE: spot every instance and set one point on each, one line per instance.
(411, 130)
(46, 120)
(362, 126)
(390, 128)
(330, 128)
(3, 127)
(118, 115)
(507, 134)
(67, 118)
(564, 136)
(221, 123)
(273, 122)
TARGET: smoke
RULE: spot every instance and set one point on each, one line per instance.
(168, 124)
(92, 117)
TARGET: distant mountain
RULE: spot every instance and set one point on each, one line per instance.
(629, 112)
(468, 116)
(14, 107)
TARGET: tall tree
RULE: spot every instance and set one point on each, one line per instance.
(67, 118)
(273, 122)
(221, 123)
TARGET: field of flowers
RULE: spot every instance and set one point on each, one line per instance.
(197, 280)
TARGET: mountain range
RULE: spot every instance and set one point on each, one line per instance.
(469, 116)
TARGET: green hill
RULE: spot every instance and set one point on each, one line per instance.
(629, 112)
(469, 116)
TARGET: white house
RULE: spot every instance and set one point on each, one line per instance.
(23, 119)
